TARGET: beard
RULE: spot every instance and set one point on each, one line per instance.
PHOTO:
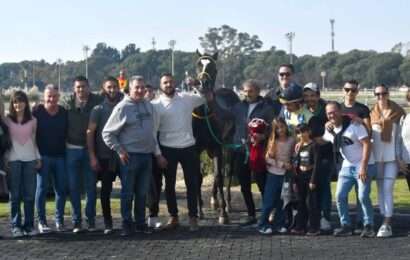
(169, 91)
(112, 98)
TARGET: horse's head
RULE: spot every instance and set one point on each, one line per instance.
(206, 71)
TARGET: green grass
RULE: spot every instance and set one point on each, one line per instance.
(50, 208)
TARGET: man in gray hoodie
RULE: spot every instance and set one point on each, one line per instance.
(130, 132)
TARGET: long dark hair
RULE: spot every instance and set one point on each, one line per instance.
(19, 96)
(271, 147)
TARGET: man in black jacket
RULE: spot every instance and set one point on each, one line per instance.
(253, 106)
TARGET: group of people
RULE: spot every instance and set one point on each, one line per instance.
(85, 138)
(311, 140)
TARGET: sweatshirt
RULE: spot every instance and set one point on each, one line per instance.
(175, 119)
(131, 127)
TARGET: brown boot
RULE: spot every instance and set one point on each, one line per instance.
(172, 223)
(193, 224)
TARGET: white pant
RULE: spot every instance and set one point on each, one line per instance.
(386, 176)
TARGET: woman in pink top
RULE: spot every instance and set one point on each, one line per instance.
(278, 161)
(24, 159)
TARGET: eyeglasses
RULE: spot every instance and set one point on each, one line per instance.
(380, 94)
(347, 90)
(287, 74)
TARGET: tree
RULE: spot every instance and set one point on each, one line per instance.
(233, 48)
(130, 49)
(102, 50)
(405, 72)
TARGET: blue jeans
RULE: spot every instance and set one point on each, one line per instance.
(348, 177)
(272, 200)
(56, 167)
(78, 167)
(135, 177)
(22, 188)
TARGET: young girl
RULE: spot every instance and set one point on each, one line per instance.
(278, 161)
(24, 159)
(306, 180)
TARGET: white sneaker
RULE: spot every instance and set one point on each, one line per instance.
(325, 224)
(265, 231)
(43, 228)
(30, 232)
(153, 222)
(282, 230)
(60, 227)
(17, 232)
(385, 231)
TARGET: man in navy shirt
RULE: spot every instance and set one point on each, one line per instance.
(51, 138)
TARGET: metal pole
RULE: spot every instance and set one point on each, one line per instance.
(290, 36)
(332, 33)
(172, 46)
(85, 50)
(59, 74)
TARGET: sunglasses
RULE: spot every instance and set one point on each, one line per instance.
(380, 94)
(287, 74)
(347, 90)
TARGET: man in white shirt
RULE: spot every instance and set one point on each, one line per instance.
(177, 144)
(353, 142)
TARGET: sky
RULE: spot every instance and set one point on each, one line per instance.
(52, 29)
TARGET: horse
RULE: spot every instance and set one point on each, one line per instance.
(213, 127)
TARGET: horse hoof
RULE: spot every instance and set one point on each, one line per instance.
(223, 220)
(214, 204)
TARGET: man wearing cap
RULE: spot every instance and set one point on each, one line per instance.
(316, 105)
(294, 112)
(253, 106)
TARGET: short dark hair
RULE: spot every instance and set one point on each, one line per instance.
(353, 82)
(302, 128)
(166, 74)
(287, 65)
(334, 103)
(81, 78)
(110, 78)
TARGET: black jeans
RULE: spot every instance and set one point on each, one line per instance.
(154, 192)
(107, 176)
(189, 159)
(242, 170)
(308, 204)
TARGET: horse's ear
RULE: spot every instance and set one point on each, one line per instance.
(215, 56)
(198, 53)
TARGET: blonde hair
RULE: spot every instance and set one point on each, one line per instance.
(271, 146)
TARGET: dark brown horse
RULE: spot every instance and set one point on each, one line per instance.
(213, 128)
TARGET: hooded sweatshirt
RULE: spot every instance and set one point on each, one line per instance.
(131, 127)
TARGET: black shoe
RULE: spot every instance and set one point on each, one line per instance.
(358, 230)
(343, 231)
(126, 231)
(368, 231)
(313, 232)
(249, 221)
(143, 229)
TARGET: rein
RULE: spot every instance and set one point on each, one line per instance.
(216, 139)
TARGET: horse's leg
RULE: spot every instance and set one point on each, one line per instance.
(200, 201)
(219, 176)
(230, 158)
(214, 193)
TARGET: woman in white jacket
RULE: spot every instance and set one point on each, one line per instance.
(385, 120)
